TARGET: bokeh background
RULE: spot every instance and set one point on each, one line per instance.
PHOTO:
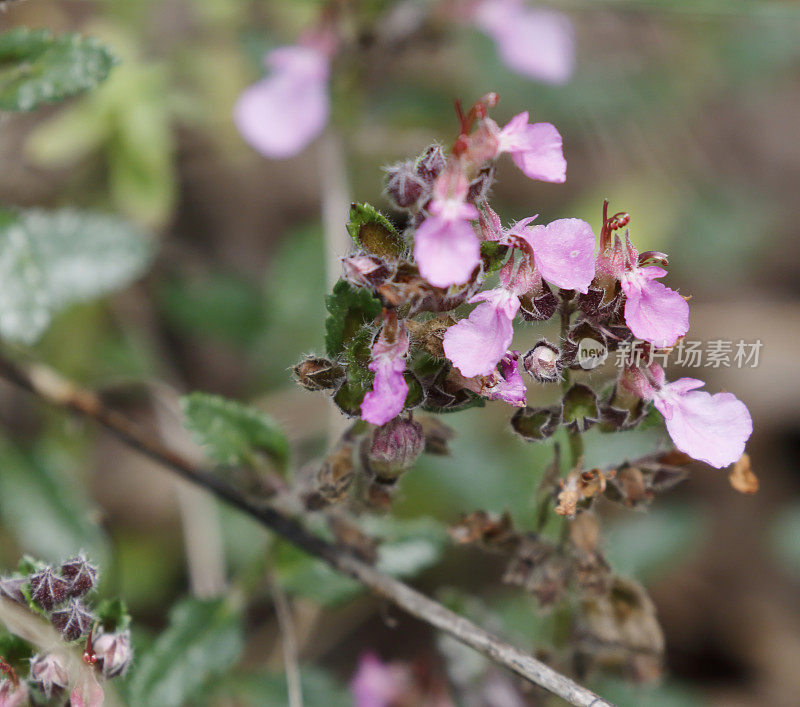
(686, 114)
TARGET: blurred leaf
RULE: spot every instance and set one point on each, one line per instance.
(644, 545)
(37, 68)
(302, 575)
(785, 535)
(113, 615)
(49, 260)
(408, 547)
(203, 640)
(220, 306)
(320, 689)
(44, 508)
(232, 433)
(668, 694)
(349, 308)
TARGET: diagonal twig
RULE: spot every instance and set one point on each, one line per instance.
(47, 384)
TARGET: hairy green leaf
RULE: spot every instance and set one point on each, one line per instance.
(349, 308)
(232, 433)
(51, 259)
(36, 67)
(371, 230)
(203, 640)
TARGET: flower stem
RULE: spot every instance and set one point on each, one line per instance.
(574, 439)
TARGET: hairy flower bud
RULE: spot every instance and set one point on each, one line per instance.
(48, 673)
(315, 373)
(114, 652)
(81, 575)
(13, 693)
(404, 186)
(11, 588)
(48, 589)
(366, 271)
(394, 449)
(73, 621)
(431, 163)
(542, 362)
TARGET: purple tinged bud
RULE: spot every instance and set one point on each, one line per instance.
(431, 163)
(49, 674)
(11, 588)
(395, 447)
(73, 621)
(404, 186)
(543, 363)
(48, 589)
(13, 693)
(114, 652)
(81, 575)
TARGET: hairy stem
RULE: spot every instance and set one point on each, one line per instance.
(48, 385)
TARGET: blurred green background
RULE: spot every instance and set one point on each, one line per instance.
(684, 114)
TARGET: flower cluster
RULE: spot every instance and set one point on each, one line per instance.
(58, 594)
(397, 344)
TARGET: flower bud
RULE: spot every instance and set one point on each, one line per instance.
(73, 621)
(11, 588)
(543, 362)
(395, 447)
(315, 373)
(48, 673)
(13, 693)
(404, 186)
(114, 652)
(81, 575)
(48, 589)
(431, 163)
(366, 271)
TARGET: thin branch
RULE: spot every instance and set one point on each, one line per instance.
(48, 385)
(288, 641)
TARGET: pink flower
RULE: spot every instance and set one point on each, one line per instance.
(536, 43)
(536, 148)
(507, 384)
(711, 428)
(281, 114)
(446, 248)
(87, 693)
(475, 345)
(377, 684)
(389, 389)
(13, 695)
(653, 312)
(563, 251)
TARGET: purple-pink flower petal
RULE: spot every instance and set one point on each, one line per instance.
(377, 684)
(537, 149)
(653, 311)
(475, 345)
(446, 251)
(563, 252)
(536, 43)
(509, 386)
(389, 388)
(711, 428)
(281, 114)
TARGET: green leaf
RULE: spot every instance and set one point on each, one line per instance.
(36, 67)
(44, 508)
(580, 408)
(408, 546)
(49, 260)
(493, 255)
(232, 433)
(349, 308)
(371, 230)
(203, 640)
